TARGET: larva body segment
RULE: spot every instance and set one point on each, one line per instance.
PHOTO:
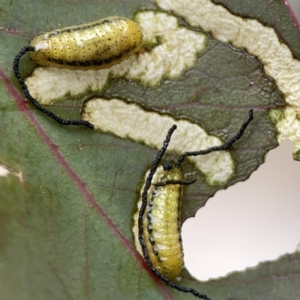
(162, 223)
(95, 45)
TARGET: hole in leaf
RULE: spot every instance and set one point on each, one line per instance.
(250, 222)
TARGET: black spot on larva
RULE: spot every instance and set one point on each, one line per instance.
(150, 228)
(54, 33)
(58, 61)
(151, 240)
(109, 60)
(84, 63)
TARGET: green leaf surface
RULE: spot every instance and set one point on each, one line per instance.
(67, 203)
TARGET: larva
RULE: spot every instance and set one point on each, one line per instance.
(95, 45)
(162, 220)
(159, 208)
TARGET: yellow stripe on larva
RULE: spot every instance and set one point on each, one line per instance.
(162, 224)
(95, 45)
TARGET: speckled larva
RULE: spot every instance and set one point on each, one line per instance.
(158, 219)
(163, 223)
(95, 45)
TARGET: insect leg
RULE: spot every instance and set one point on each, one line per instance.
(225, 146)
(34, 102)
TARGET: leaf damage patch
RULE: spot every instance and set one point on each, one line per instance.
(132, 121)
(3, 171)
(258, 40)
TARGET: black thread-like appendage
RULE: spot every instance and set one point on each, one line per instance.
(180, 182)
(34, 102)
(154, 167)
(221, 147)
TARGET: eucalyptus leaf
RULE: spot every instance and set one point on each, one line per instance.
(68, 195)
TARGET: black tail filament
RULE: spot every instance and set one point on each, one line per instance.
(148, 183)
(34, 102)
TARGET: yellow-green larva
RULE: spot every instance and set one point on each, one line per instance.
(157, 224)
(162, 223)
(95, 45)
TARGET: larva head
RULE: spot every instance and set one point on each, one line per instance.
(170, 171)
(169, 166)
